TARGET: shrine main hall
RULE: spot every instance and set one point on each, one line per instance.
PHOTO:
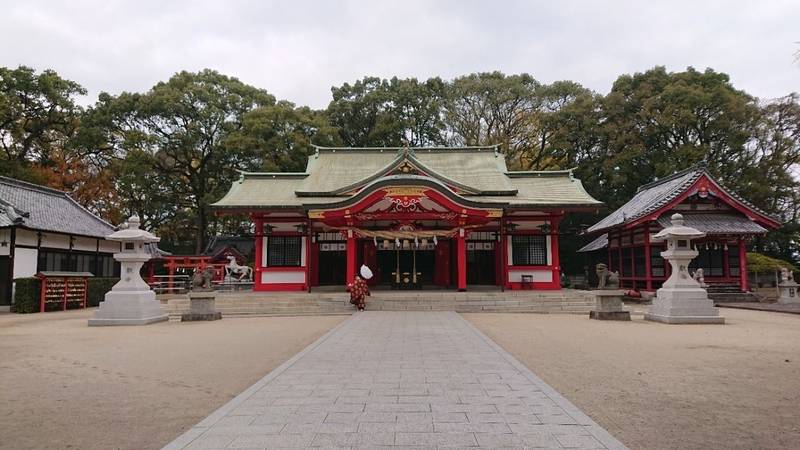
(420, 218)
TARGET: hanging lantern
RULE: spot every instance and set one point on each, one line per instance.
(416, 242)
(716, 246)
(375, 240)
(435, 241)
(397, 242)
(725, 246)
(406, 244)
(424, 242)
(385, 244)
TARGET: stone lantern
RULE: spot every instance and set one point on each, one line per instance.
(130, 301)
(681, 299)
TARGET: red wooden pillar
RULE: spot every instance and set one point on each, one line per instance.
(307, 239)
(648, 273)
(745, 283)
(461, 259)
(351, 257)
(259, 247)
(556, 258)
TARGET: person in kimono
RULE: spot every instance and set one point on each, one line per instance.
(359, 289)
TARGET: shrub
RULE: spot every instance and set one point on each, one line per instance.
(28, 290)
(756, 262)
(26, 295)
(98, 288)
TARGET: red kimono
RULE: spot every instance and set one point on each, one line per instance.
(358, 292)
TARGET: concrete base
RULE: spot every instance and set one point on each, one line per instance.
(610, 315)
(684, 306)
(685, 319)
(202, 306)
(608, 305)
(128, 308)
(788, 293)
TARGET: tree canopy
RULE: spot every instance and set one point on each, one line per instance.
(167, 153)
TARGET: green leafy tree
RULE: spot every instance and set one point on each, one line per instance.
(656, 122)
(374, 112)
(279, 136)
(183, 125)
(38, 115)
(492, 108)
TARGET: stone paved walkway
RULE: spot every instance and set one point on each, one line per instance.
(399, 379)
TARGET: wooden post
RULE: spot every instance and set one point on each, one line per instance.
(648, 271)
(461, 257)
(309, 232)
(259, 247)
(556, 258)
(42, 294)
(744, 282)
(351, 257)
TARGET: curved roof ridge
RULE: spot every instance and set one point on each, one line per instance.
(696, 167)
(492, 147)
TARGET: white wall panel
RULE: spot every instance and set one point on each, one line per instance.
(539, 276)
(25, 262)
(283, 277)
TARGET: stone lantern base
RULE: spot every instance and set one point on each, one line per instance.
(684, 306)
(789, 292)
(128, 308)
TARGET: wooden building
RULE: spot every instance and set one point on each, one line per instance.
(43, 229)
(431, 218)
(729, 221)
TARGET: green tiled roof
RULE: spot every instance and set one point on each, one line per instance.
(479, 173)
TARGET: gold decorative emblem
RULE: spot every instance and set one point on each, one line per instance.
(495, 213)
(400, 191)
(316, 214)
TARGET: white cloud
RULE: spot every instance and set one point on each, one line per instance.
(298, 50)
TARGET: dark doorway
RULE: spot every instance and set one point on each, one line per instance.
(396, 267)
(481, 263)
(5, 276)
(332, 264)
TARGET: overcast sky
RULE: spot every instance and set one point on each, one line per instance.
(297, 50)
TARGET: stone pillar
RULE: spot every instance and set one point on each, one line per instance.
(461, 256)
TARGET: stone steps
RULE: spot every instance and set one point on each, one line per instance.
(242, 304)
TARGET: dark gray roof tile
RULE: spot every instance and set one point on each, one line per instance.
(41, 208)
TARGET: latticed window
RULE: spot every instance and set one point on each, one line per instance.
(529, 250)
(284, 251)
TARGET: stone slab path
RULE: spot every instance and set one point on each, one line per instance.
(399, 379)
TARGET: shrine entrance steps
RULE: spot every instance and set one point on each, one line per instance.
(730, 293)
(240, 304)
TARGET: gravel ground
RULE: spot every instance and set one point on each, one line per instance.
(664, 386)
(66, 385)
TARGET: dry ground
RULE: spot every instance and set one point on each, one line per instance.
(668, 386)
(65, 385)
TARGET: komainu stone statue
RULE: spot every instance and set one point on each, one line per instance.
(201, 281)
(700, 277)
(605, 278)
(786, 275)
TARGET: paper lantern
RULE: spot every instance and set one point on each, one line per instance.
(386, 244)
